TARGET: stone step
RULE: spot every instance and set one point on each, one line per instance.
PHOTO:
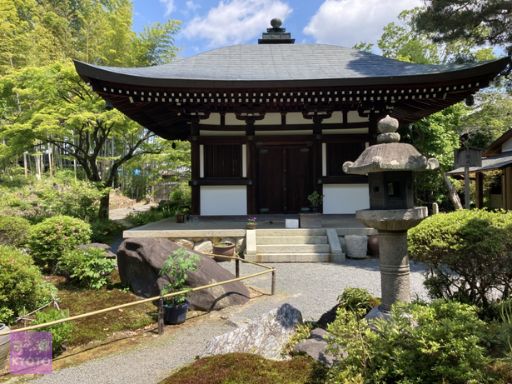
(291, 232)
(267, 240)
(293, 248)
(300, 257)
(356, 231)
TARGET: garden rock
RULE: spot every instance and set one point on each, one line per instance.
(140, 261)
(204, 247)
(265, 336)
(185, 243)
(105, 247)
(316, 347)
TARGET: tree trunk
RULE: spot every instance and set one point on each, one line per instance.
(452, 193)
(104, 206)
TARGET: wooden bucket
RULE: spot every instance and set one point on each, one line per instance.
(4, 346)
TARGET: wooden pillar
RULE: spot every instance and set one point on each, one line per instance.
(372, 128)
(479, 190)
(317, 153)
(507, 188)
(195, 171)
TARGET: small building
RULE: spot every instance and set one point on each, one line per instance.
(496, 163)
(270, 123)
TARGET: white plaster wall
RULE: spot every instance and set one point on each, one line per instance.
(345, 198)
(507, 146)
(223, 200)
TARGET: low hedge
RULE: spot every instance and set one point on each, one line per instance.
(14, 230)
(22, 287)
(468, 253)
(49, 239)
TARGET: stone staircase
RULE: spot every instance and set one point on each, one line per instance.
(289, 245)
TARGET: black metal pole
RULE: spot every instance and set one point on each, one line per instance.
(161, 316)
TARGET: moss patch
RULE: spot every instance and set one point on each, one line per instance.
(101, 327)
(249, 369)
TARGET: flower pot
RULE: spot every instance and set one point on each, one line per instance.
(226, 248)
(180, 218)
(373, 245)
(4, 346)
(250, 225)
(175, 313)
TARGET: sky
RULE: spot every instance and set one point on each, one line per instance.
(209, 24)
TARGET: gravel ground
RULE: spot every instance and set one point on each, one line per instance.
(312, 288)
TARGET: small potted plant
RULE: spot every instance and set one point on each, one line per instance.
(313, 219)
(181, 214)
(251, 222)
(175, 269)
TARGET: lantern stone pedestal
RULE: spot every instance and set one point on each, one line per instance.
(390, 166)
(394, 261)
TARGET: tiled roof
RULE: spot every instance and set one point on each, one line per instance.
(273, 62)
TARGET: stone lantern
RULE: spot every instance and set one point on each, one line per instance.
(390, 166)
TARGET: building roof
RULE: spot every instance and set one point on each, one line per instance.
(488, 163)
(286, 64)
(495, 146)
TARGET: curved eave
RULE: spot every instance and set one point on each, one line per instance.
(488, 69)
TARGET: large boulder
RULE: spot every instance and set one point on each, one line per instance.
(140, 261)
(265, 336)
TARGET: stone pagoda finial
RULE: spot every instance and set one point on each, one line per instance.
(388, 127)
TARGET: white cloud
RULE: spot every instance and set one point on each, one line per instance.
(192, 6)
(169, 6)
(235, 21)
(347, 22)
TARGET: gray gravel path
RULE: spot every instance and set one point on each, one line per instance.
(312, 288)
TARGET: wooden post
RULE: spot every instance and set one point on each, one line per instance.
(273, 287)
(161, 316)
(237, 267)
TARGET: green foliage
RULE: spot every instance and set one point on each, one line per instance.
(479, 21)
(61, 195)
(14, 230)
(149, 216)
(468, 253)
(87, 267)
(49, 239)
(315, 199)
(356, 299)
(103, 231)
(436, 343)
(60, 332)
(22, 287)
(302, 332)
(176, 269)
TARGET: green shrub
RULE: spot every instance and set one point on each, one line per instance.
(175, 270)
(436, 343)
(87, 267)
(36, 200)
(150, 216)
(353, 299)
(14, 230)
(468, 253)
(60, 332)
(103, 231)
(22, 287)
(49, 239)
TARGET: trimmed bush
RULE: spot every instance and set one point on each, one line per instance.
(14, 230)
(435, 343)
(353, 299)
(60, 332)
(469, 255)
(22, 287)
(103, 231)
(87, 267)
(49, 239)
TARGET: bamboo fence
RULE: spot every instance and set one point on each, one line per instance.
(154, 298)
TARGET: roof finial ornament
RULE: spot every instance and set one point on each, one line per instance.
(388, 127)
(276, 23)
(277, 34)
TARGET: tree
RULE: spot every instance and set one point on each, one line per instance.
(477, 21)
(57, 107)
